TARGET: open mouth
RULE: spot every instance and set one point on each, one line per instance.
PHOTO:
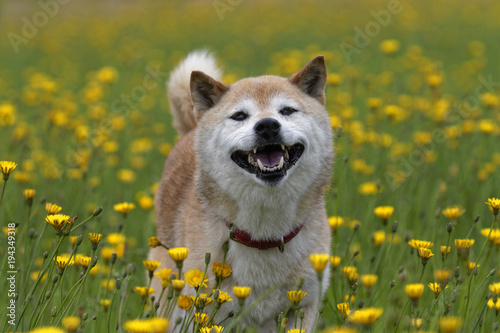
(269, 162)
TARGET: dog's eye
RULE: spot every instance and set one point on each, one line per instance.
(239, 116)
(286, 111)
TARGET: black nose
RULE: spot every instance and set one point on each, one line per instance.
(267, 128)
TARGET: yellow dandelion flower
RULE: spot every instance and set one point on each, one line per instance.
(369, 280)
(471, 265)
(241, 292)
(389, 46)
(105, 303)
(495, 289)
(164, 274)
(351, 273)
(366, 316)
(494, 204)
(126, 176)
(63, 261)
(178, 284)
(295, 296)
(335, 261)
(378, 237)
(116, 239)
(7, 167)
(416, 244)
(158, 325)
(201, 319)
(34, 276)
(153, 242)
(146, 202)
(94, 238)
(223, 298)
(296, 330)
(151, 265)
(144, 291)
(184, 302)
(335, 222)
(178, 254)
(194, 278)
(138, 326)
(450, 324)
(203, 298)
(494, 234)
(213, 329)
(384, 212)
(83, 261)
(445, 250)
(57, 220)
(414, 291)
(221, 272)
(369, 188)
(124, 207)
(425, 254)
(71, 324)
(416, 322)
(29, 195)
(436, 288)
(106, 253)
(453, 212)
(494, 305)
(442, 275)
(52, 208)
(319, 261)
(463, 244)
(344, 309)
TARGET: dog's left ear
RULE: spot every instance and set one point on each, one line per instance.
(312, 79)
(205, 91)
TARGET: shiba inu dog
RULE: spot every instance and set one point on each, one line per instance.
(249, 170)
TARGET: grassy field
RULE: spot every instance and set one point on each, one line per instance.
(414, 97)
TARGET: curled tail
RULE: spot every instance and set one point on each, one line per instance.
(178, 91)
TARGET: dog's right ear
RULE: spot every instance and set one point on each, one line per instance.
(205, 91)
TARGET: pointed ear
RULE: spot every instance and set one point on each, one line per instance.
(205, 91)
(312, 79)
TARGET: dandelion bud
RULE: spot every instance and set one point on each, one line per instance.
(124, 275)
(152, 298)
(225, 247)
(85, 316)
(170, 294)
(401, 269)
(492, 272)
(372, 259)
(53, 313)
(79, 240)
(32, 234)
(97, 211)
(356, 227)
(449, 227)
(456, 272)
(475, 270)
(280, 318)
(216, 294)
(476, 219)
(178, 321)
(346, 159)
(355, 286)
(118, 283)
(93, 262)
(392, 283)
(395, 227)
(113, 258)
(94, 317)
(208, 256)
(339, 131)
(284, 322)
(55, 278)
(48, 294)
(45, 255)
(82, 274)
(232, 314)
(157, 305)
(408, 237)
(130, 269)
(361, 304)
(302, 313)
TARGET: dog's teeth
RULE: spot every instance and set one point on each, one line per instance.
(255, 150)
(261, 166)
(286, 154)
(282, 147)
(250, 159)
(282, 160)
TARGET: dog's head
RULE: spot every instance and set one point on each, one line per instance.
(264, 129)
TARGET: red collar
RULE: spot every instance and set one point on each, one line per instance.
(246, 239)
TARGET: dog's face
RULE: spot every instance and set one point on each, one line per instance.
(263, 130)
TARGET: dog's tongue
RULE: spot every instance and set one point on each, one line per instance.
(269, 159)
